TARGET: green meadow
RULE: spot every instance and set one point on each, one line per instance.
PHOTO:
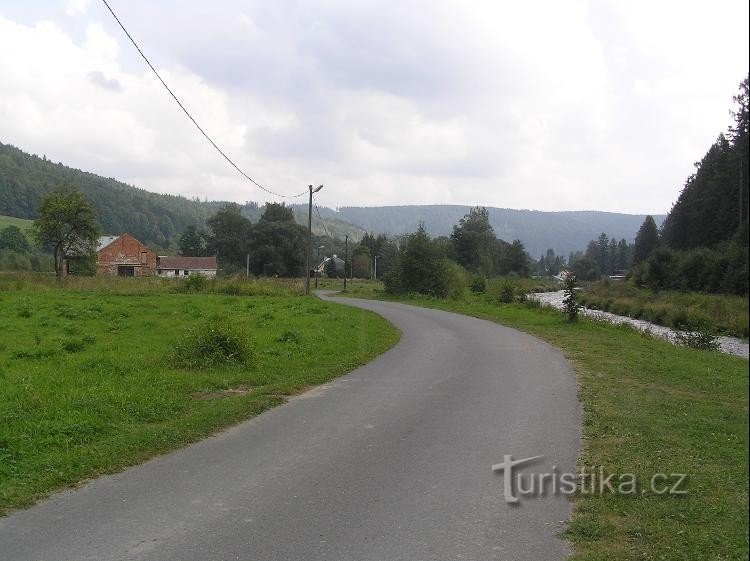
(98, 374)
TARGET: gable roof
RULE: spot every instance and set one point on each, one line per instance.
(182, 262)
(104, 241)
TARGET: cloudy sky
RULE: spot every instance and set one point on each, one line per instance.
(558, 105)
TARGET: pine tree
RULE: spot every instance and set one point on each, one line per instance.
(646, 240)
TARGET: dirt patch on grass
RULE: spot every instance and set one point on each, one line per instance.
(227, 392)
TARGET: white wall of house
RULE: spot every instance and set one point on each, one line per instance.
(179, 273)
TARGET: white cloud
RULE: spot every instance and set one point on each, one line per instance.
(75, 7)
(547, 105)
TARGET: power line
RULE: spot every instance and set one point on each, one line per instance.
(219, 150)
(322, 221)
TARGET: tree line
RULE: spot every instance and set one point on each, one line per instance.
(18, 253)
(442, 266)
(703, 244)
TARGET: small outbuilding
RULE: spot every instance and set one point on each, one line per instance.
(180, 266)
(124, 256)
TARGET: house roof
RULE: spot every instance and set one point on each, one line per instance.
(104, 241)
(182, 262)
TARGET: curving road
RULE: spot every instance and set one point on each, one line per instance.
(390, 462)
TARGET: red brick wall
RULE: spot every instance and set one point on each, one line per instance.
(126, 250)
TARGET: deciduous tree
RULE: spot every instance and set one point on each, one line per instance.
(68, 225)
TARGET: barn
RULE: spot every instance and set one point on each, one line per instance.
(124, 256)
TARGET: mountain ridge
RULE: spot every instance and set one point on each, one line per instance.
(159, 219)
(563, 231)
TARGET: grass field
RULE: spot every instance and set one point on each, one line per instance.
(648, 407)
(92, 376)
(723, 314)
(21, 223)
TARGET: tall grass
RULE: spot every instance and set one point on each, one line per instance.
(235, 286)
(718, 313)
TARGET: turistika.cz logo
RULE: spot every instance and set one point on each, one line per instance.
(588, 481)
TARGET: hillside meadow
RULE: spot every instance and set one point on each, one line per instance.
(97, 374)
(24, 224)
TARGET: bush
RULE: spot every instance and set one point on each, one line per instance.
(215, 342)
(455, 279)
(720, 269)
(679, 319)
(697, 340)
(571, 307)
(195, 283)
(507, 292)
(478, 284)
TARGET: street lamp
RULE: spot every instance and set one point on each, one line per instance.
(309, 237)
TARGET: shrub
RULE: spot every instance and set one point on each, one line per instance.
(478, 284)
(455, 279)
(215, 342)
(660, 270)
(195, 283)
(679, 318)
(700, 339)
(507, 292)
(571, 307)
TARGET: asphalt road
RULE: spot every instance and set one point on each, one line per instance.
(390, 462)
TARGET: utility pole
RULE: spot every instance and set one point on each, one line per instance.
(309, 237)
(346, 256)
(376, 267)
(247, 267)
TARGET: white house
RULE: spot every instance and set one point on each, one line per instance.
(175, 267)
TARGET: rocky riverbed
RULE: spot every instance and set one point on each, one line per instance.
(728, 345)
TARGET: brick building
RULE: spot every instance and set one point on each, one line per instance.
(124, 256)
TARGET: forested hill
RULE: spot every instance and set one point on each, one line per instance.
(562, 231)
(157, 220)
(152, 218)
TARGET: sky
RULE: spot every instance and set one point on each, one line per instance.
(546, 105)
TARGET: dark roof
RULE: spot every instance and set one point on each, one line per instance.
(180, 262)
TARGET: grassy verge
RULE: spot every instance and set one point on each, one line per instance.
(91, 377)
(723, 314)
(648, 407)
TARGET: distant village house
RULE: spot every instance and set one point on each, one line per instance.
(125, 256)
(180, 266)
